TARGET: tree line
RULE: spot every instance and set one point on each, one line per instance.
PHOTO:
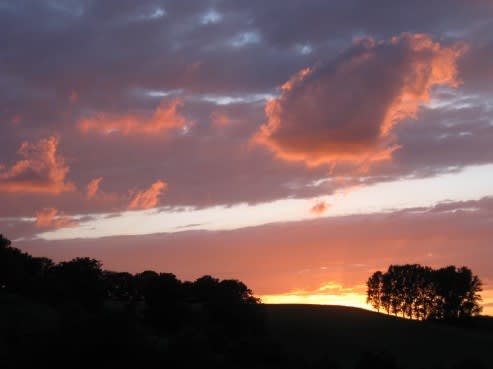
(420, 292)
(151, 319)
(82, 280)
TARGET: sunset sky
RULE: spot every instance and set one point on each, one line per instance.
(296, 145)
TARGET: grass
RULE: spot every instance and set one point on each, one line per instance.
(342, 333)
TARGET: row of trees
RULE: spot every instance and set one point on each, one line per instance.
(84, 282)
(76, 314)
(420, 292)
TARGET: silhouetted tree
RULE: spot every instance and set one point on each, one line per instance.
(375, 290)
(164, 297)
(120, 286)
(425, 298)
(158, 289)
(420, 292)
(205, 288)
(4, 242)
(20, 272)
(80, 279)
(150, 320)
(458, 292)
(13, 264)
(233, 291)
(387, 293)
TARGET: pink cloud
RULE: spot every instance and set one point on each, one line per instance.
(165, 118)
(319, 208)
(42, 169)
(50, 218)
(346, 110)
(149, 198)
(93, 187)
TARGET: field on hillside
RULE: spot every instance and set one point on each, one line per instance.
(342, 333)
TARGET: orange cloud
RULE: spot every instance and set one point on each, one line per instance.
(319, 208)
(149, 198)
(346, 110)
(49, 218)
(165, 118)
(219, 119)
(41, 170)
(93, 187)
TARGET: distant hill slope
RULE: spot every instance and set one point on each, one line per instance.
(342, 333)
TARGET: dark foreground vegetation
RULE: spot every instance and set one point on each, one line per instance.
(76, 315)
(420, 292)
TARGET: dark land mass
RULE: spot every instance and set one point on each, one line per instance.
(343, 333)
(293, 336)
(74, 315)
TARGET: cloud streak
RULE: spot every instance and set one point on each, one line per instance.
(164, 119)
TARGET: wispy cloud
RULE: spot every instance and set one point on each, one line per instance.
(165, 118)
(149, 198)
(51, 218)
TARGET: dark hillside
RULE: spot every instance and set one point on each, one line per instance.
(342, 333)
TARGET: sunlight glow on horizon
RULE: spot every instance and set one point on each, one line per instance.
(352, 299)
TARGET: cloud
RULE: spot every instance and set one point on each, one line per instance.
(219, 119)
(319, 208)
(165, 118)
(41, 170)
(93, 187)
(182, 57)
(346, 110)
(148, 198)
(51, 219)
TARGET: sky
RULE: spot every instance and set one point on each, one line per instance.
(296, 145)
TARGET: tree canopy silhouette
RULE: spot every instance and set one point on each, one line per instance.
(80, 279)
(421, 292)
(149, 315)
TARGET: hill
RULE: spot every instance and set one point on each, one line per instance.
(342, 333)
(296, 336)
